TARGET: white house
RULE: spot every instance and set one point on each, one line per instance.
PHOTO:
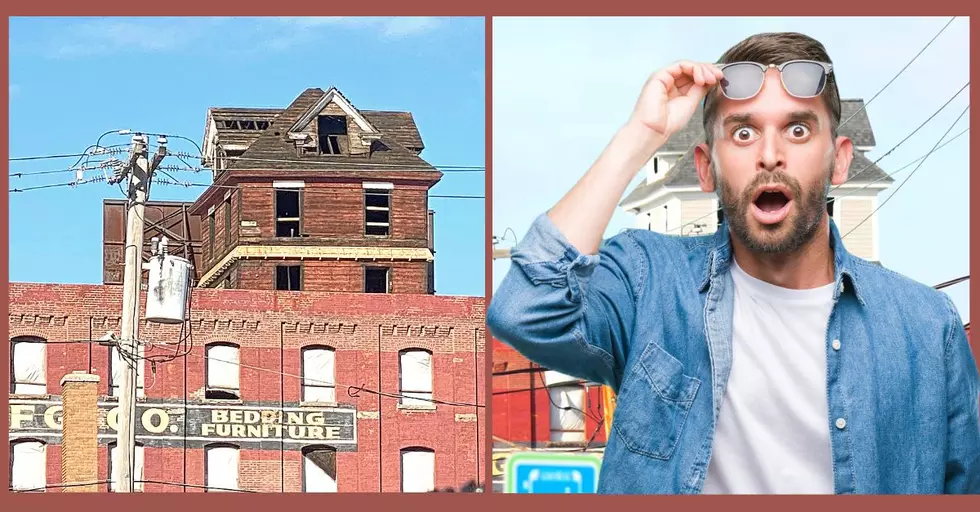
(670, 200)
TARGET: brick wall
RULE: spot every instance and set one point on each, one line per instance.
(271, 328)
(79, 442)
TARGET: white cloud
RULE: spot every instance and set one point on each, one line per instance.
(304, 29)
(121, 35)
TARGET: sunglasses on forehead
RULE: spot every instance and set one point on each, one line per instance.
(800, 78)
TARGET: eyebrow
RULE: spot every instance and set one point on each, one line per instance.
(746, 118)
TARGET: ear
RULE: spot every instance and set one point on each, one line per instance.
(844, 151)
(702, 161)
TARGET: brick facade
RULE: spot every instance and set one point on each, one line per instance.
(367, 331)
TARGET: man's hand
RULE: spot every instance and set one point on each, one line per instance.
(671, 95)
(667, 102)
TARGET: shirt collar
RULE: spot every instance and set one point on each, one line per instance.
(719, 261)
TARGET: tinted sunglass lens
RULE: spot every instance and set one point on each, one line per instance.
(804, 79)
(741, 80)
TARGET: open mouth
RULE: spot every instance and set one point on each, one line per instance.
(771, 204)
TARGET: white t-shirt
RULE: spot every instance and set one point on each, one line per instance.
(773, 433)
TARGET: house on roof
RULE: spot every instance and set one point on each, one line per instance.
(316, 196)
(669, 199)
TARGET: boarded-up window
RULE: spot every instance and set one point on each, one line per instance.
(418, 470)
(221, 470)
(116, 364)
(28, 465)
(567, 413)
(28, 366)
(416, 377)
(319, 469)
(222, 372)
(318, 375)
(137, 470)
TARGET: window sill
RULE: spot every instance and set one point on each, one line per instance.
(28, 396)
(318, 404)
(419, 408)
(222, 401)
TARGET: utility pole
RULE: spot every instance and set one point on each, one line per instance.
(140, 172)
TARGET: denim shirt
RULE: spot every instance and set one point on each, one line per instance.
(651, 317)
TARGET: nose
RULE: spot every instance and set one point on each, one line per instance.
(771, 156)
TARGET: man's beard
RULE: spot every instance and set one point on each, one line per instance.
(776, 238)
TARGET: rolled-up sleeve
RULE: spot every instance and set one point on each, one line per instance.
(963, 395)
(568, 311)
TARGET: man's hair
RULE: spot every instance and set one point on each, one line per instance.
(776, 48)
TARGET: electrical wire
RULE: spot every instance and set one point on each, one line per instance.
(61, 486)
(54, 185)
(907, 178)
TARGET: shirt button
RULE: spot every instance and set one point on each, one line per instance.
(835, 344)
(841, 423)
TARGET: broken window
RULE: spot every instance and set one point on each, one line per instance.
(377, 209)
(415, 386)
(222, 372)
(418, 470)
(231, 125)
(287, 213)
(211, 234)
(228, 222)
(332, 132)
(319, 469)
(288, 277)
(28, 465)
(830, 206)
(137, 471)
(263, 125)
(567, 413)
(248, 125)
(221, 467)
(377, 280)
(318, 375)
(28, 366)
(721, 215)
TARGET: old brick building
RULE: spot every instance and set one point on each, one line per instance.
(315, 357)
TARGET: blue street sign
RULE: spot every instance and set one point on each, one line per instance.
(552, 473)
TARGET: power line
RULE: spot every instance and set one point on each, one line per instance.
(900, 185)
(951, 282)
(53, 185)
(269, 187)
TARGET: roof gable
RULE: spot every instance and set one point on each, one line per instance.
(333, 96)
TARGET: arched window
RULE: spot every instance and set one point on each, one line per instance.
(318, 374)
(319, 469)
(415, 377)
(418, 467)
(28, 365)
(137, 467)
(28, 465)
(221, 467)
(222, 372)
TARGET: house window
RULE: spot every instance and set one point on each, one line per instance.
(287, 213)
(830, 206)
(222, 372)
(221, 467)
(28, 366)
(418, 469)
(567, 413)
(332, 132)
(28, 465)
(666, 219)
(288, 277)
(377, 280)
(211, 234)
(116, 365)
(377, 211)
(655, 166)
(319, 469)
(228, 221)
(430, 274)
(415, 369)
(721, 214)
(137, 471)
(318, 375)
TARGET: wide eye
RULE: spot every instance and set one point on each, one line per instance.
(799, 131)
(744, 134)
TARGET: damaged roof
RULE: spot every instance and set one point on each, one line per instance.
(684, 174)
(265, 133)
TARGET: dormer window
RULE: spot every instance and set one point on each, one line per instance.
(332, 132)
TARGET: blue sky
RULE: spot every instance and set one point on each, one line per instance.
(562, 86)
(71, 79)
